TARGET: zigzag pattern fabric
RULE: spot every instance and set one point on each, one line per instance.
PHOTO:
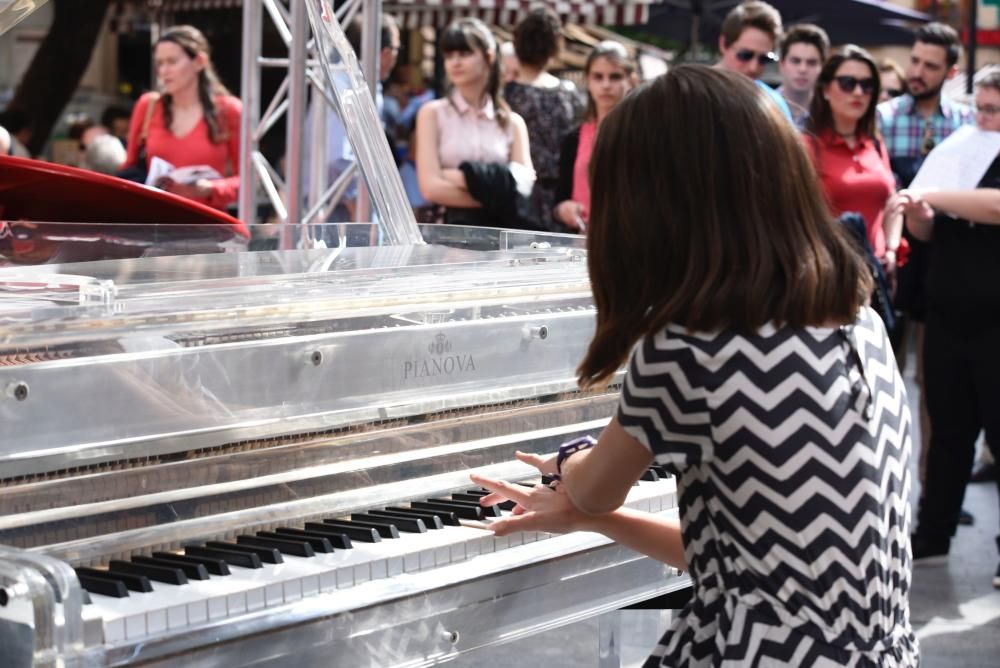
(791, 450)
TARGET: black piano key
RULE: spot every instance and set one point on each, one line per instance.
(297, 548)
(548, 479)
(488, 511)
(233, 557)
(408, 524)
(317, 543)
(170, 575)
(340, 541)
(507, 505)
(385, 527)
(354, 531)
(192, 571)
(462, 496)
(480, 492)
(132, 582)
(215, 566)
(268, 555)
(650, 475)
(447, 517)
(460, 508)
(428, 520)
(103, 586)
(660, 471)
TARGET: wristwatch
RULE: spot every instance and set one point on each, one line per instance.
(570, 448)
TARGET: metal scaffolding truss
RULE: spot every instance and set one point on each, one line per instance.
(322, 76)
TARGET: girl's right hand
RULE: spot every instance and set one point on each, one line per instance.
(539, 508)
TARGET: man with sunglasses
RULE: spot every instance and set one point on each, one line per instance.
(747, 41)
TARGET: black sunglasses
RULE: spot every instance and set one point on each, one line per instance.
(849, 83)
(893, 92)
(746, 55)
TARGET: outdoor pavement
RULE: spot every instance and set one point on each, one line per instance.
(954, 608)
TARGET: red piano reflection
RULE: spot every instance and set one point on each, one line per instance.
(54, 214)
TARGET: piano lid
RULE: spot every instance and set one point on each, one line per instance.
(27, 187)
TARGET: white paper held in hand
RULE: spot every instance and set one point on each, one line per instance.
(959, 162)
(160, 169)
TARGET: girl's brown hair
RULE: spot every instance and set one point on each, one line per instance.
(193, 43)
(706, 212)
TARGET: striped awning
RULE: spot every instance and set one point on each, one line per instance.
(194, 5)
(439, 13)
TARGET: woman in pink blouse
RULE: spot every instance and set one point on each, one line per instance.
(195, 121)
(610, 75)
(471, 124)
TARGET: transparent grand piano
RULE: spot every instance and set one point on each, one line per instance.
(262, 458)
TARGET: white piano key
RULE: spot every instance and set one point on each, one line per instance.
(216, 608)
(255, 599)
(169, 608)
(135, 627)
(176, 617)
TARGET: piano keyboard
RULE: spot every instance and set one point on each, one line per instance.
(166, 591)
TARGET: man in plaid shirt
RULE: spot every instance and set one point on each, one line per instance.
(914, 123)
(911, 126)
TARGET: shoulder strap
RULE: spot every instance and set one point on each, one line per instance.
(150, 108)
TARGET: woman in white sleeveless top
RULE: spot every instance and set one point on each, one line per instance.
(472, 123)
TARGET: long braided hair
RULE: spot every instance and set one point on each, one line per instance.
(193, 43)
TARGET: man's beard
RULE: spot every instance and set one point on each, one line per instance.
(930, 93)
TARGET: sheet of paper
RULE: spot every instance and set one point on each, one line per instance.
(158, 169)
(960, 161)
(188, 175)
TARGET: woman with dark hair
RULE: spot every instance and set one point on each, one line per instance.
(193, 120)
(847, 149)
(550, 107)
(610, 75)
(472, 124)
(758, 377)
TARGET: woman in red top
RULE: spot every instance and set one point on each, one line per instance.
(847, 150)
(610, 75)
(195, 121)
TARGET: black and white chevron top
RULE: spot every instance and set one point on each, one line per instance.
(791, 450)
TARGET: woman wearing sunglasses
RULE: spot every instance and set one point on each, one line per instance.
(848, 152)
(853, 164)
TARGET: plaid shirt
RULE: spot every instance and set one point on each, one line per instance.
(906, 135)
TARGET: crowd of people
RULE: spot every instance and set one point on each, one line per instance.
(757, 255)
